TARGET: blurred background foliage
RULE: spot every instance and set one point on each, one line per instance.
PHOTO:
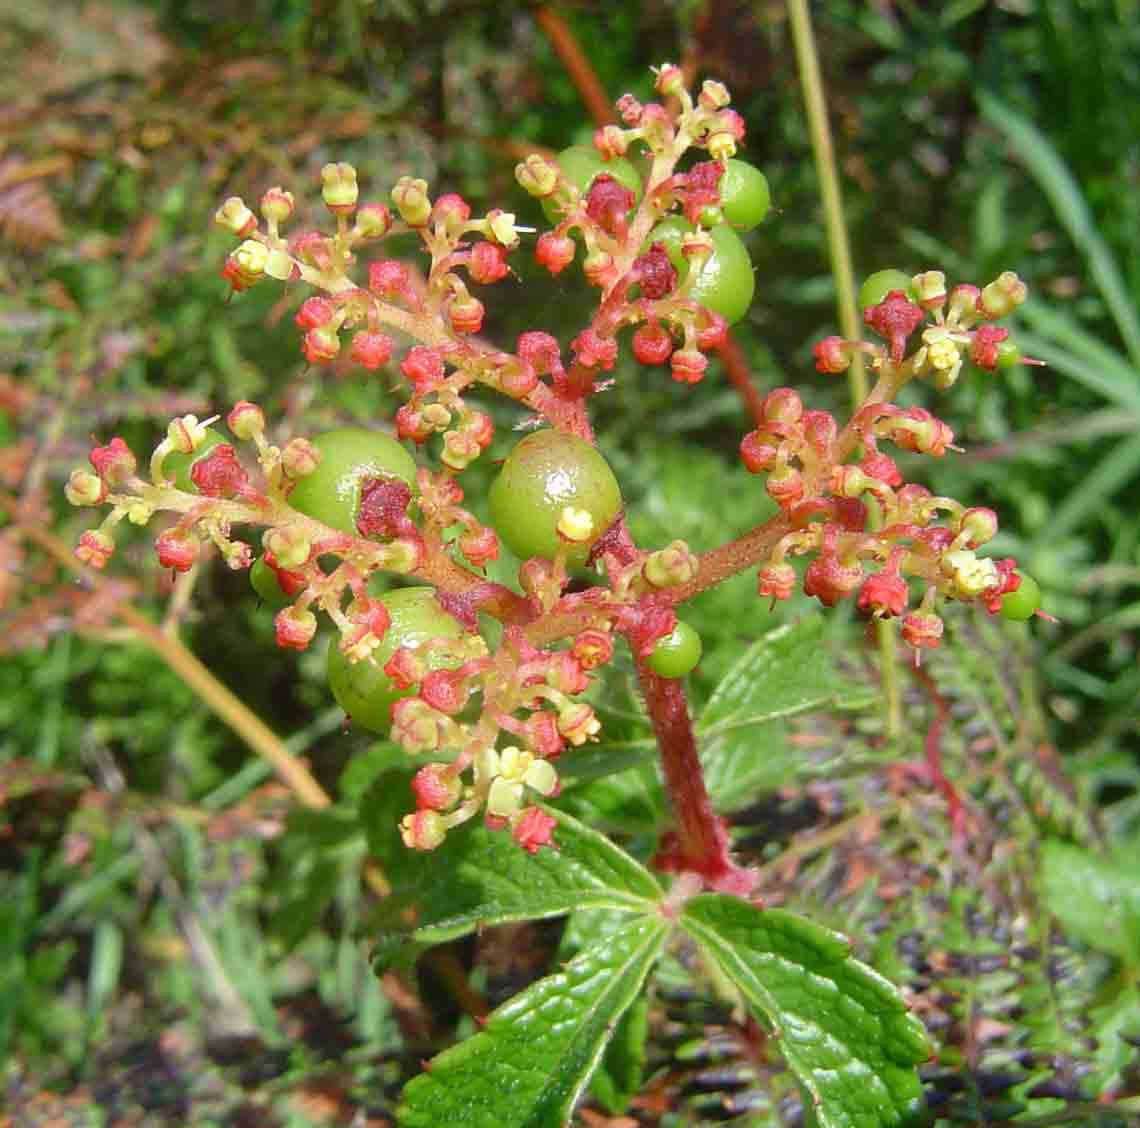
(177, 942)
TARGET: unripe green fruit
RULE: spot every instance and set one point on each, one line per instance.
(580, 164)
(349, 457)
(548, 472)
(878, 285)
(726, 283)
(362, 689)
(263, 580)
(177, 466)
(1020, 605)
(744, 194)
(677, 653)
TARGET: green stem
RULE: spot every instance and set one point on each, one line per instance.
(839, 252)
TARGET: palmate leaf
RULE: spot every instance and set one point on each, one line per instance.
(531, 1061)
(843, 1029)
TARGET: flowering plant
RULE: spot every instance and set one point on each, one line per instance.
(489, 723)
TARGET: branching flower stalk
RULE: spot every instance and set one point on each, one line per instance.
(496, 721)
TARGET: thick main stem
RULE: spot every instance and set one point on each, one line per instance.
(699, 844)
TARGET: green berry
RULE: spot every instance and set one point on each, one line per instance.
(878, 285)
(580, 164)
(177, 466)
(349, 457)
(547, 473)
(1020, 605)
(726, 283)
(677, 653)
(362, 689)
(744, 194)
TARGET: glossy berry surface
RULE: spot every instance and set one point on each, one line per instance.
(548, 472)
(744, 194)
(1020, 605)
(677, 653)
(725, 284)
(580, 164)
(349, 457)
(178, 466)
(362, 689)
(878, 285)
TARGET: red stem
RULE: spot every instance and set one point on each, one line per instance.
(700, 842)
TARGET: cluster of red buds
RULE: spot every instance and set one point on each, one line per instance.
(498, 720)
(844, 499)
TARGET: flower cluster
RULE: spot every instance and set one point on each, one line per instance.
(336, 509)
(827, 479)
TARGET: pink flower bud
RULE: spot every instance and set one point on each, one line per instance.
(670, 80)
(219, 474)
(652, 344)
(423, 366)
(592, 648)
(655, 272)
(479, 547)
(984, 345)
(830, 580)
(451, 208)
(776, 581)
(895, 318)
(466, 315)
(295, 628)
(758, 451)
(371, 350)
(321, 345)
(114, 463)
(594, 351)
(688, 366)
(389, 279)
(95, 548)
(177, 550)
(555, 252)
(607, 203)
(436, 787)
(314, 312)
(921, 629)
(832, 355)
(884, 594)
(488, 263)
(532, 829)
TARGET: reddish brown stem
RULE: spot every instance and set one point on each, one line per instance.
(578, 67)
(699, 844)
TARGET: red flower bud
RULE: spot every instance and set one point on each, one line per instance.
(314, 312)
(533, 829)
(219, 474)
(652, 344)
(607, 203)
(424, 368)
(177, 550)
(555, 252)
(894, 319)
(488, 263)
(832, 355)
(114, 463)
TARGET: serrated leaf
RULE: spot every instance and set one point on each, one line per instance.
(531, 1061)
(788, 671)
(741, 731)
(843, 1029)
(483, 877)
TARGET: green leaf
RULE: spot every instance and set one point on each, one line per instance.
(843, 1029)
(741, 734)
(619, 1077)
(1059, 185)
(531, 1061)
(483, 877)
(1096, 899)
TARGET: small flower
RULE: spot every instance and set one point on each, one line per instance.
(555, 252)
(410, 195)
(488, 263)
(670, 80)
(592, 648)
(95, 548)
(884, 594)
(314, 312)
(578, 723)
(423, 830)
(611, 141)
(114, 463)
(922, 630)
(291, 548)
(277, 205)
(321, 345)
(423, 366)
(655, 272)
(1002, 296)
(984, 345)
(236, 217)
(219, 474)
(185, 434)
(300, 458)
(575, 525)
(436, 787)
(373, 221)
(595, 351)
(894, 319)
(502, 228)
(688, 366)
(536, 175)
(371, 350)
(608, 201)
(776, 581)
(84, 488)
(669, 566)
(177, 549)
